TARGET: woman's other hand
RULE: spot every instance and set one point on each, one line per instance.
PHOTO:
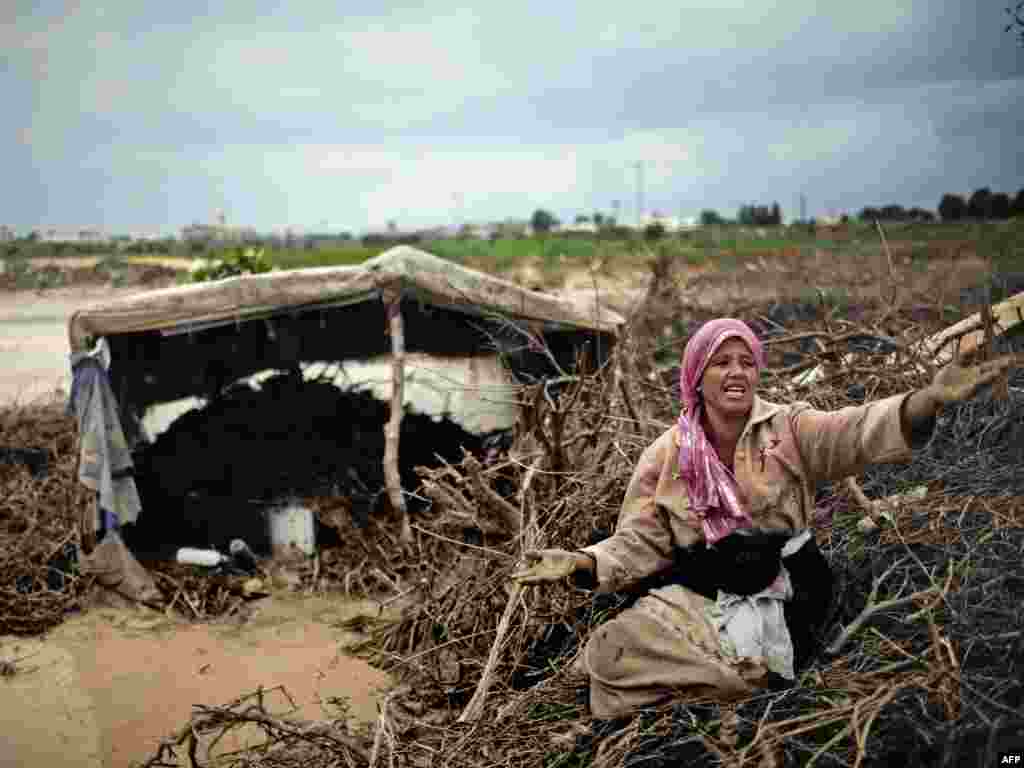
(545, 565)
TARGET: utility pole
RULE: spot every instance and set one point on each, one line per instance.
(803, 207)
(457, 203)
(639, 194)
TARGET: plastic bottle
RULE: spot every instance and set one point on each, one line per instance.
(206, 557)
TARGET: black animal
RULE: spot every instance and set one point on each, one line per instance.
(746, 564)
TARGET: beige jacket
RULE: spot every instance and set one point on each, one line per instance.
(783, 452)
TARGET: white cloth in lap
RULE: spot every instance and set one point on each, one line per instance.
(754, 626)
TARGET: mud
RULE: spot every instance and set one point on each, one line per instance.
(105, 687)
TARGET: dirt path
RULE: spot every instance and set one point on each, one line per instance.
(85, 262)
(33, 338)
(106, 686)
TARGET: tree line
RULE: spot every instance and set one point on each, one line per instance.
(982, 204)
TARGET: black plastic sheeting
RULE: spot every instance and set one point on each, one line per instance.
(149, 368)
(208, 478)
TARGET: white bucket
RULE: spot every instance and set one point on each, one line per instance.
(291, 530)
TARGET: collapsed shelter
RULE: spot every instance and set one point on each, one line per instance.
(262, 428)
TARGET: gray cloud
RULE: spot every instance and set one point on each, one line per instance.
(154, 118)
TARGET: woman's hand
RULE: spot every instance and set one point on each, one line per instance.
(551, 565)
(955, 383)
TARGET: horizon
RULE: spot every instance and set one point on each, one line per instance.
(284, 232)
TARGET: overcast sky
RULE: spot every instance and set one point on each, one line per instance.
(146, 116)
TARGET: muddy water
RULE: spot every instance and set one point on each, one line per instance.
(105, 687)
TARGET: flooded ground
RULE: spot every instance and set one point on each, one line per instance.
(106, 686)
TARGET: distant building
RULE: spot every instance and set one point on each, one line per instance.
(217, 233)
(580, 227)
(479, 231)
(59, 235)
(6, 233)
(670, 223)
(201, 233)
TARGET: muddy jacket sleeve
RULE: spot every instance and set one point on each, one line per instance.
(835, 444)
(643, 541)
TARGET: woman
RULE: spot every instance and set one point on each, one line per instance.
(719, 511)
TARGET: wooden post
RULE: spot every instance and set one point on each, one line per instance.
(393, 431)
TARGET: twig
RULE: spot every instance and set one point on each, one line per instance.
(436, 535)
(628, 402)
(433, 648)
(383, 732)
(873, 608)
(508, 513)
(475, 707)
(860, 497)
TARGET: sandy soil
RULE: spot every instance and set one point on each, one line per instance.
(105, 687)
(86, 262)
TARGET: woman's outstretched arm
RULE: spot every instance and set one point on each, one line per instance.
(835, 444)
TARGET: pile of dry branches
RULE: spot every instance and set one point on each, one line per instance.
(288, 743)
(924, 656)
(40, 535)
(39, 522)
(926, 650)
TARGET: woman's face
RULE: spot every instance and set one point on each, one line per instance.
(730, 378)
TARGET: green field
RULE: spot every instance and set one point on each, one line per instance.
(1002, 242)
(725, 247)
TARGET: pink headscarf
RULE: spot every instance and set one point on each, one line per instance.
(712, 486)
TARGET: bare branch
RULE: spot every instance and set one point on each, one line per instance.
(874, 609)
